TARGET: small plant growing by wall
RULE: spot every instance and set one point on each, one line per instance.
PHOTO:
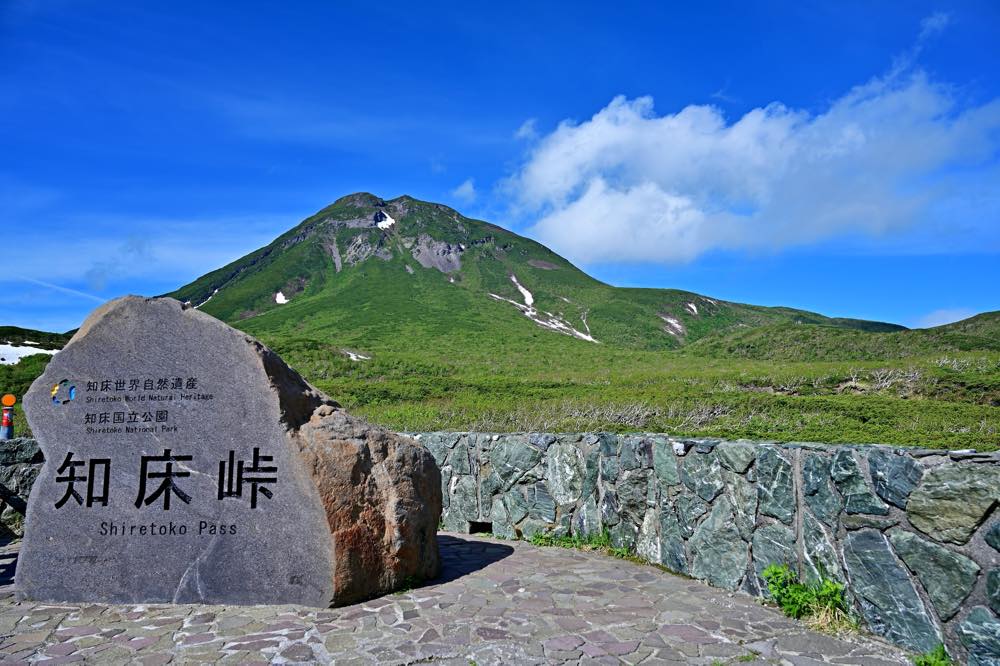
(821, 604)
(936, 657)
(600, 542)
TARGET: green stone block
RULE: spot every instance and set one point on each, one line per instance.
(890, 603)
(702, 473)
(773, 544)
(736, 456)
(993, 590)
(979, 633)
(858, 497)
(665, 462)
(775, 491)
(718, 553)
(953, 499)
(947, 577)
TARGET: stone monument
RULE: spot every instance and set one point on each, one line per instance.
(186, 463)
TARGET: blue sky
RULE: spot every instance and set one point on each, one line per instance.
(842, 157)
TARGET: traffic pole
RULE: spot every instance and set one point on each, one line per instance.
(7, 421)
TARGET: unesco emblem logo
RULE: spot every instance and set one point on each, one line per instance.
(63, 393)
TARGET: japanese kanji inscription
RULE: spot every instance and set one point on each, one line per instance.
(169, 475)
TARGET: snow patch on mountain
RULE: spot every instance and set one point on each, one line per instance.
(692, 308)
(383, 221)
(544, 319)
(207, 299)
(355, 356)
(280, 299)
(674, 327)
(11, 354)
(529, 300)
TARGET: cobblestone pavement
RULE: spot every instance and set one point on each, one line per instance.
(497, 603)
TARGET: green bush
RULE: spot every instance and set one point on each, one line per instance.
(822, 603)
(936, 657)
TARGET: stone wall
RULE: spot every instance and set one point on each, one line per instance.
(914, 534)
(20, 462)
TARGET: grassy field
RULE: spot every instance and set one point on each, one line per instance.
(446, 381)
(942, 400)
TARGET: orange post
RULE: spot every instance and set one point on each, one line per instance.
(7, 422)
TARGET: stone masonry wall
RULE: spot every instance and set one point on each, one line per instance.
(914, 534)
(20, 462)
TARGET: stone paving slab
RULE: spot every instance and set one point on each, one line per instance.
(497, 602)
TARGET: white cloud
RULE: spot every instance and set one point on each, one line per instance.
(119, 249)
(934, 24)
(61, 274)
(528, 130)
(631, 185)
(466, 191)
(944, 316)
(723, 95)
(63, 290)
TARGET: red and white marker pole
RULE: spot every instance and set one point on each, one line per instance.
(7, 421)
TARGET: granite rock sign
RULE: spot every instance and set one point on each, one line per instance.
(186, 463)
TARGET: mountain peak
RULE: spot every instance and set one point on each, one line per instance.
(373, 265)
(360, 200)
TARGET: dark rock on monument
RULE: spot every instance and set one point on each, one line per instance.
(702, 474)
(665, 463)
(819, 552)
(773, 544)
(743, 496)
(736, 456)
(20, 462)
(185, 462)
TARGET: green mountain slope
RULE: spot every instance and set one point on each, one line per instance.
(369, 272)
(985, 326)
(809, 342)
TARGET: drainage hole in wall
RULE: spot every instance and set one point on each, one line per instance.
(480, 528)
